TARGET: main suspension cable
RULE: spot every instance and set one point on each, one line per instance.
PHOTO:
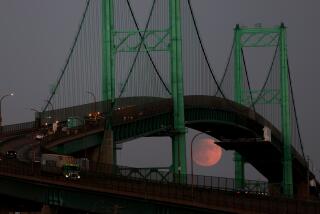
(69, 56)
(295, 111)
(203, 50)
(248, 81)
(226, 68)
(268, 76)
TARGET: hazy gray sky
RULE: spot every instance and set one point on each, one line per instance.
(36, 36)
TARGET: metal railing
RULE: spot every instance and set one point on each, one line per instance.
(17, 129)
(164, 175)
(61, 134)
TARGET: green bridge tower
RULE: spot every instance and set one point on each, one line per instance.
(107, 151)
(179, 141)
(265, 37)
(108, 52)
(174, 48)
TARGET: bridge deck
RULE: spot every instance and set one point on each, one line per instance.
(17, 178)
(225, 119)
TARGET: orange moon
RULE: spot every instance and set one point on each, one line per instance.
(206, 152)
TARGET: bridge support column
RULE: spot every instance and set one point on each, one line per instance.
(287, 180)
(303, 190)
(238, 93)
(239, 170)
(47, 209)
(178, 154)
(107, 150)
(108, 76)
(179, 141)
(105, 154)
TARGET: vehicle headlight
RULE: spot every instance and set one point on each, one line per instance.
(78, 176)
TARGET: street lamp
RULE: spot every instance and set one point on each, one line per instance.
(52, 108)
(310, 168)
(33, 109)
(191, 156)
(2, 98)
(94, 99)
(49, 102)
(37, 116)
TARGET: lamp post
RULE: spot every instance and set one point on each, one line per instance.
(37, 117)
(49, 102)
(94, 99)
(191, 155)
(33, 109)
(1, 99)
(310, 168)
(52, 108)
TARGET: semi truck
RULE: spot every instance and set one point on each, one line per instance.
(74, 122)
(60, 164)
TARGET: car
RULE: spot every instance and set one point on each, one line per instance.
(11, 154)
(72, 175)
(71, 171)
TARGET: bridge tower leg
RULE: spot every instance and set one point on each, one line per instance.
(287, 180)
(108, 76)
(179, 141)
(107, 153)
(238, 93)
(47, 209)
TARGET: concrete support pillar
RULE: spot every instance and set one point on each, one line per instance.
(274, 189)
(47, 209)
(105, 154)
(4, 211)
(303, 190)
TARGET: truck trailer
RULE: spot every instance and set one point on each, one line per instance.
(60, 164)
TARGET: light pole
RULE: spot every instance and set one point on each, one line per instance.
(94, 99)
(37, 117)
(52, 108)
(310, 168)
(2, 98)
(191, 155)
(33, 109)
(49, 102)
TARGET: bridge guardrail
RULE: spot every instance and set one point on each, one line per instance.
(71, 132)
(16, 129)
(208, 182)
(164, 175)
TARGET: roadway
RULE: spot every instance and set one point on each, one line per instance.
(26, 146)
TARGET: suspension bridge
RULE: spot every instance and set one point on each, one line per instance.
(157, 80)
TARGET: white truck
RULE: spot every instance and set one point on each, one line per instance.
(60, 164)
